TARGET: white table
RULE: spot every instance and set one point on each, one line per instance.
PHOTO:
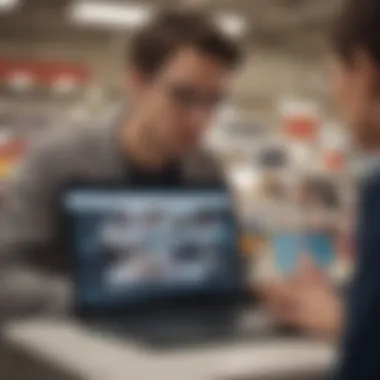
(89, 356)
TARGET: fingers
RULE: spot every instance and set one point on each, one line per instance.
(277, 291)
(279, 300)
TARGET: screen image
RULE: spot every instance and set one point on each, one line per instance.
(287, 249)
(134, 247)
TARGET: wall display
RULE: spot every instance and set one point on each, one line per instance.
(233, 135)
(335, 144)
(22, 123)
(10, 153)
(42, 80)
(35, 96)
(300, 120)
(334, 161)
(22, 74)
(273, 158)
(244, 129)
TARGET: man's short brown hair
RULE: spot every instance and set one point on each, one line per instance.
(357, 26)
(174, 29)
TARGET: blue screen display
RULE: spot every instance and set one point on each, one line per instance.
(133, 247)
(289, 247)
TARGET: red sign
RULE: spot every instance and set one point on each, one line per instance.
(301, 127)
(43, 72)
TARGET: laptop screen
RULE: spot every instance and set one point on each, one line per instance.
(137, 247)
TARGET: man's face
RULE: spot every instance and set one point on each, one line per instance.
(177, 105)
(355, 89)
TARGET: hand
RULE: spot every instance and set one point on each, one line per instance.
(306, 302)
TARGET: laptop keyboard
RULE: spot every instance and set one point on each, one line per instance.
(176, 330)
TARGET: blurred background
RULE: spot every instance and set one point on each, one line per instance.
(62, 65)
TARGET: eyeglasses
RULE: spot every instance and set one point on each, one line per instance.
(190, 98)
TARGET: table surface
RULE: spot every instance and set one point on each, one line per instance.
(16, 363)
(90, 356)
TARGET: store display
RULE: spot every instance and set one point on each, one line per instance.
(273, 158)
(334, 145)
(334, 161)
(24, 75)
(20, 125)
(300, 120)
(10, 153)
(35, 96)
(24, 121)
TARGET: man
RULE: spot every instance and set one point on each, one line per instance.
(179, 68)
(308, 302)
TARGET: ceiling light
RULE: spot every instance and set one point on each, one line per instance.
(232, 24)
(7, 5)
(109, 14)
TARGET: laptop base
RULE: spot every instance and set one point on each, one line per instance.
(197, 328)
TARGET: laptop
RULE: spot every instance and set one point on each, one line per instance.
(160, 266)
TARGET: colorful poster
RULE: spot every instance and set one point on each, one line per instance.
(10, 153)
(19, 126)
